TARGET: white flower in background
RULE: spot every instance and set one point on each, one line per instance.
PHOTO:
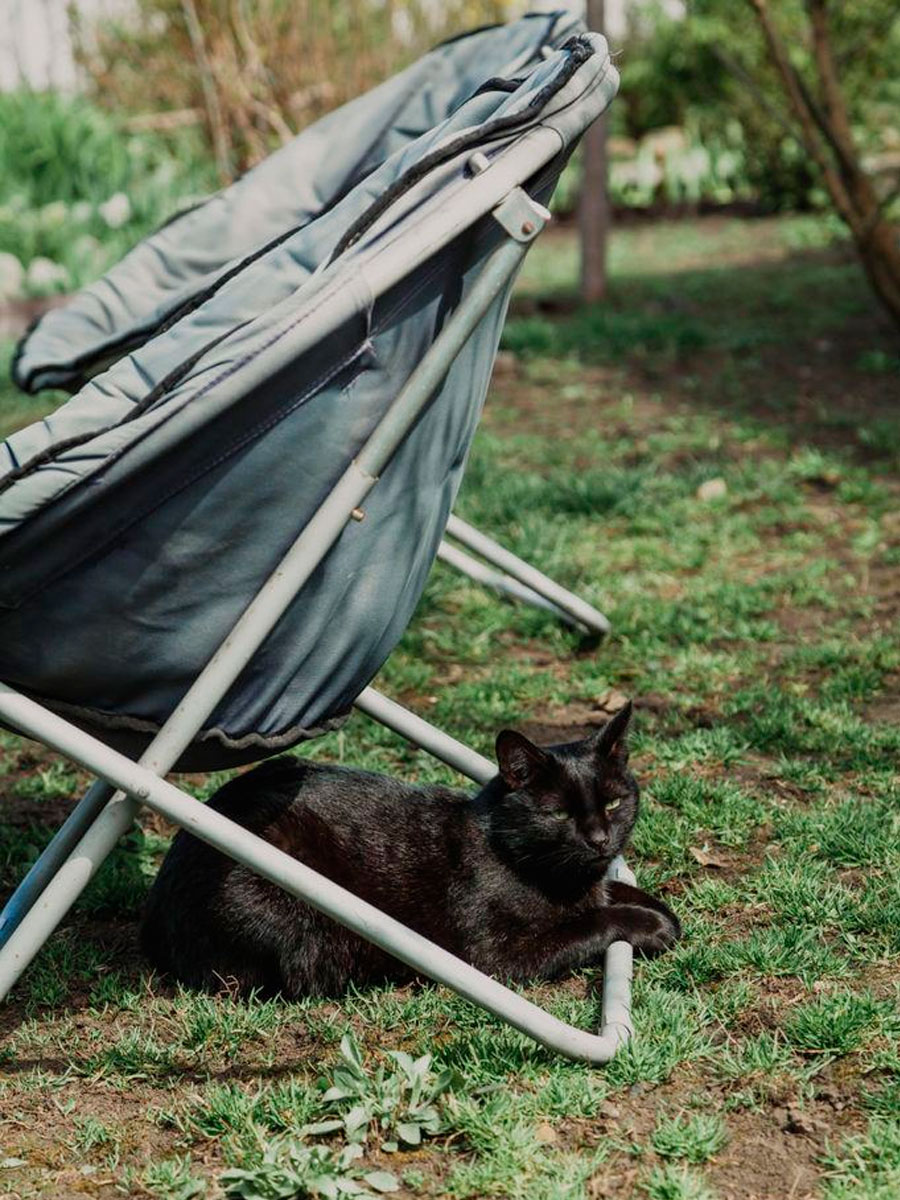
(648, 172)
(727, 164)
(165, 173)
(45, 275)
(136, 148)
(55, 214)
(693, 166)
(642, 172)
(12, 276)
(82, 211)
(116, 210)
(85, 248)
(156, 23)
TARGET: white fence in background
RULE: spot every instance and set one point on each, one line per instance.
(36, 42)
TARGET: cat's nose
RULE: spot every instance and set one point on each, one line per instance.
(598, 838)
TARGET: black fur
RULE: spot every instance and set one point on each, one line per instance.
(510, 880)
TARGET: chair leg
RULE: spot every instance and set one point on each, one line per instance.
(441, 745)
(555, 596)
(140, 785)
(500, 582)
(53, 856)
(71, 878)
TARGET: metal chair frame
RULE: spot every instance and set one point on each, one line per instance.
(111, 805)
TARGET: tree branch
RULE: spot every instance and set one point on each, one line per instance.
(835, 108)
(811, 134)
(827, 137)
(740, 72)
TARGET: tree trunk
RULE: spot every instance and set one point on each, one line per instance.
(593, 207)
(824, 130)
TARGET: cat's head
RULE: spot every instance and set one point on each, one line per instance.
(566, 808)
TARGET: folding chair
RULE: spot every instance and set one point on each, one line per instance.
(209, 551)
(193, 255)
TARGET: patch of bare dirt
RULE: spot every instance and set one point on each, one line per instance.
(772, 1151)
(519, 403)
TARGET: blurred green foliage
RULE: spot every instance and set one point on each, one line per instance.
(78, 190)
(710, 75)
(700, 118)
(56, 147)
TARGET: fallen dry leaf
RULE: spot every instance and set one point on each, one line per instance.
(706, 858)
(611, 702)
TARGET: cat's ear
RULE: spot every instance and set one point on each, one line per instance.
(612, 740)
(519, 760)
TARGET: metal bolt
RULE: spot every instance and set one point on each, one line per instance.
(358, 514)
(527, 228)
(477, 163)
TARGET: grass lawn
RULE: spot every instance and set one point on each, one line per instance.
(757, 633)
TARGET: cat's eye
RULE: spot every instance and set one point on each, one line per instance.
(613, 805)
(560, 814)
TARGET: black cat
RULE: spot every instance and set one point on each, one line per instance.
(510, 880)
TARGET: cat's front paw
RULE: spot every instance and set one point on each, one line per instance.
(663, 937)
(651, 924)
(651, 931)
